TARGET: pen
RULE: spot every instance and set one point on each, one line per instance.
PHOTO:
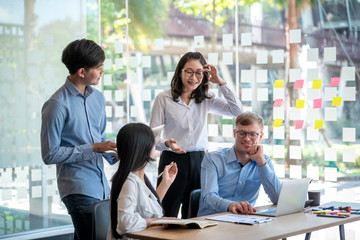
(163, 171)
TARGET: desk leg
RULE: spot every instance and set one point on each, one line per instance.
(308, 236)
(342, 232)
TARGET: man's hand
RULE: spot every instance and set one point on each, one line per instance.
(104, 146)
(241, 207)
(171, 143)
(256, 153)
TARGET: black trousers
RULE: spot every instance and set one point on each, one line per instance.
(187, 179)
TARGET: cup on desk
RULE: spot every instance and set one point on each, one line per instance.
(315, 196)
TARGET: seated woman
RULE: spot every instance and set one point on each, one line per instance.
(134, 203)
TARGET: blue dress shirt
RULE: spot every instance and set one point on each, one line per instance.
(70, 123)
(224, 180)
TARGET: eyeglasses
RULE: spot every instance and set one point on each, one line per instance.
(252, 135)
(190, 73)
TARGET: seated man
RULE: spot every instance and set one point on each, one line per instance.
(231, 177)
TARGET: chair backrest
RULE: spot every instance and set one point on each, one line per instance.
(100, 220)
(194, 203)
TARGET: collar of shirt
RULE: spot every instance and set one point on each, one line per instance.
(75, 91)
(232, 157)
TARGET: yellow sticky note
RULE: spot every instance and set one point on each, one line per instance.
(278, 83)
(316, 84)
(336, 101)
(319, 124)
(277, 122)
(300, 103)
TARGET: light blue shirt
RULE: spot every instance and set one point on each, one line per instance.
(224, 181)
(70, 123)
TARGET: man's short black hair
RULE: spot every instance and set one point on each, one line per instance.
(82, 54)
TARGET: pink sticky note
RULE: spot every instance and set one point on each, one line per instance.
(334, 82)
(278, 102)
(299, 84)
(317, 103)
(299, 124)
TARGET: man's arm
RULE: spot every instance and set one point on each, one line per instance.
(269, 180)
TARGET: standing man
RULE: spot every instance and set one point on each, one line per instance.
(73, 135)
(231, 177)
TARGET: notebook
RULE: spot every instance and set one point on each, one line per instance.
(292, 198)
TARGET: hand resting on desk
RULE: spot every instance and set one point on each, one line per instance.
(241, 207)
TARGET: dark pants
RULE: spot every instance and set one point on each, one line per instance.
(80, 209)
(187, 179)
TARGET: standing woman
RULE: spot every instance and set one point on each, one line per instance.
(183, 109)
(134, 203)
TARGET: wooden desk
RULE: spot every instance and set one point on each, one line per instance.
(282, 227)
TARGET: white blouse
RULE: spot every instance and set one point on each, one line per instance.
(135, 202)
(187, 124)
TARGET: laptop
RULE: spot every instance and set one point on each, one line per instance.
(293, 194)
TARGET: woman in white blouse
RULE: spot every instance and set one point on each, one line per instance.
(134, 203)
(183, 110)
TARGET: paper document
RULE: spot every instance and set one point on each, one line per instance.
(241, 219)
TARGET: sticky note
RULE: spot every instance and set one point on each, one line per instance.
(262, 76)
(299, 84)
(246, 39)
(349, 94)
(317, 103)
(330, 174)
(147, 95)
(349, 134)
(278, 93)
(279, 83)
(262, 57)
(330, 114)
(133, 111)
(349, 155)
(277, 56)
(294, 74)
(262, 94)
(314, 93)
(278, 102)
(247, 76)
(108, 128)
(277, 122)
(246, 94)
(213, 58)
(279, 113)
(266, 132)
(213, 130)
(119, 111)
(133, 62)
(227, 40)
(312, 54)
(107, 64)
(299, 124)
(279, 170)
(36, 191)
(347, 73)
(119, 95)
(119, 46)
(108, 95)
(107, 79)
(108, 110)
(312, 133)
(319, 123)
(330, 154)
(300, 103)
(336, 101)
(227, 58)
(227, 130)
(312, 172)
(329, 54)
(312, 73)
(169, 76)
(295, 35)
(146, 61)
(330, 93)
(295, 171)
(295, 134)
(119, 63)
(316, 84)
(295, 152)
(278, 151)
(334, 82)
(279, 132)
(199, 41)
(159, 44)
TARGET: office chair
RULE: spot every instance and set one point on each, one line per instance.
(194, 203)
(100, 220)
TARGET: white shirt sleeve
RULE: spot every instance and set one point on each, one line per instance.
(229, 105)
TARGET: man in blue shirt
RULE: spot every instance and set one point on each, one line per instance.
(73, 135)
(231, 177)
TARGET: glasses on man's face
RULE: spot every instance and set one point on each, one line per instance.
(242, 134)
(190, 73)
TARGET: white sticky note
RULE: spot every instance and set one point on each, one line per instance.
(295, 134)
(312, 54)
(278, 93)
(295, 171)
(279, 132)
(213, 130)
(22, 193)
(312, 133)
(330, 174)
(107, 79)
(262, 76)
(227, 58)
(159, 44)
(263, 94)
(329, 93)
(312, 172)
(133, 112)
(349, 155)
(279, 113)
(227, 40)
(247, 109)
(146, 61)
(35, 175)
(262, 57)
(107, 64)
(312, 74)
(133, 62)
(277, 56)
(313, 93)
(227, 130)
(169, 76)
(246, 39)
(295, 152)
(349, 94)
(108, 110)
(108, 128)
(330, 154)
(147, 95)
(294, 74)
(266, 132)
(278, 151)
(119, 111)
(213, 58)
(329, 54)
(330, 114)
(6, 194)
(349, 134)
(108, 95)
(36, 192)
(295, 35)
(119, 95)
(119, 64)
(347, 73)
(279, 170)
(119, 46)
(313, 114)
(247, 76)
(246, 94)
(199, 41)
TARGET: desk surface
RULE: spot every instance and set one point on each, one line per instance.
(282, 227)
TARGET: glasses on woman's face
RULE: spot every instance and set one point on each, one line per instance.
(189, 73)
(252, 135)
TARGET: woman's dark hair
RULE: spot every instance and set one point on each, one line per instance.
(82, 54)
(199, 93)
(134, 143)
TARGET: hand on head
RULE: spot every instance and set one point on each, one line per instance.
(241, 207)
(256, 153)
(213, 75)
(171, 143)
